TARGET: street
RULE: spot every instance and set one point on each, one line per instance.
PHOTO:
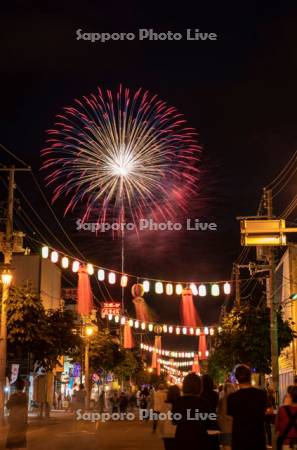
(61, 434)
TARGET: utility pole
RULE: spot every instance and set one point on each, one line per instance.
(272, 302)
(87, 373)
(237, 285)
(7, 247)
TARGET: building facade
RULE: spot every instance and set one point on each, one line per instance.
(285, 286)
(42, 275)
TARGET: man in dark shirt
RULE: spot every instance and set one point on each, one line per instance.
(247, 407)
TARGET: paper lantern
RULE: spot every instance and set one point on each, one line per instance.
(170, 329)
(75, 266)
(177, 330)
(158, 329)
(202, 290)
(150, 327)
(184, 330)
(90, 269)
(194, 289)
(45, 252)
(111, 278)
(54, 257)
(178, 289)
(123, 320)
(146, 286)
(215, 290)
(227, 288)
(65, 262)
(137, 290)
(101, 274)
(159, 287)
(169, 289)
(124, 280)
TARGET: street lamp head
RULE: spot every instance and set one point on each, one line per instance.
(89, 331)
(6, 277)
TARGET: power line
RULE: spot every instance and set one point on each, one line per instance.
(14, 156)
(283, 173)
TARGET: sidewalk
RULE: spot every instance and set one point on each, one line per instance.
(56, 417)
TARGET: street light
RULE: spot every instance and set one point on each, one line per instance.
(6, 278)
(89, 331)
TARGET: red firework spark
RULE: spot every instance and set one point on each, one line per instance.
(125, 155)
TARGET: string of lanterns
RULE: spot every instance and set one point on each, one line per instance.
(169, 353)
(168, 362)
(159, 286)
(172, 371)
(158, 329)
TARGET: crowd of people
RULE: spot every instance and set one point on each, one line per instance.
(235, 416)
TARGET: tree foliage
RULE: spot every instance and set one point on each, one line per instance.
(105, 351)
(107, 354)
(130, 366)
(245, 338)
(45, 335)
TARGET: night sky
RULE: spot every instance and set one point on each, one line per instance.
(239, 92)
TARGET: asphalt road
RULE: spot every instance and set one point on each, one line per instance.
(68, 434)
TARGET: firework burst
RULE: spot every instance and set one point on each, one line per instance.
(122, 155)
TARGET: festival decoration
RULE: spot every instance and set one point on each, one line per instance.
(196, 365)
(169, 362)
(161, 287)
(101, 275)
(215, 290)
(202, 352)
(137, 290)
(45, 251)
(90, 269)
(108, 308)
(65, 262)
(188, 312)
(54, 256)
(75, 266)
(168, 353)
(165, 328)
(84, 293)
(202, 290)
(146, 285)
(143, 312)
(111, 277)
(227, 288)
(172, 371)
(128, 338)
(155, 361)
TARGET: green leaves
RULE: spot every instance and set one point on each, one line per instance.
(106, 353)
(45, 335)
(245, 338)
